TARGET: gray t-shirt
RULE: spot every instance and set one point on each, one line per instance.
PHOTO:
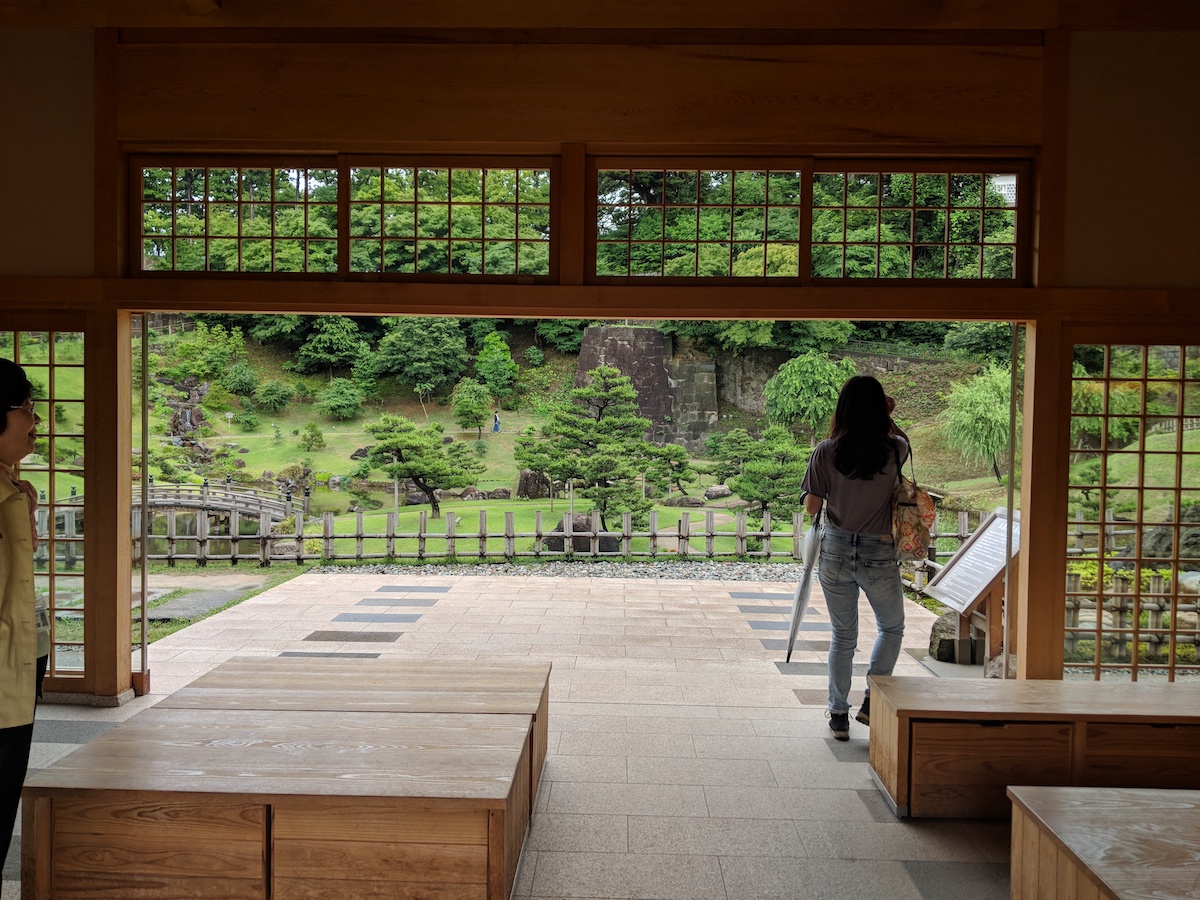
(857, 505)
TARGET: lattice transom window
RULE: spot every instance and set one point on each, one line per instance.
(702, 222)
(1133, 568)
(450, 221)
(239, 219)
(870, 224)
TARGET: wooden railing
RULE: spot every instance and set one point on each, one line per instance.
(188, 533)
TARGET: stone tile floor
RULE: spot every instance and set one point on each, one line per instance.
(686, 760)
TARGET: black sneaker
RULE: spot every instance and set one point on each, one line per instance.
(864, 711)
(839, 724)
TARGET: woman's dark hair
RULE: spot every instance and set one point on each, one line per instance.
(15, 389)
(860, 428)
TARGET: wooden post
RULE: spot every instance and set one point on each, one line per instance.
(264, 539)
(685, 532)
(202, 538)
(358, 534)
(391, 526)
(766, 535)
(710, 537)
(510, 535)
(595, 539)
(327, 527)
(568, 531)
(422, 529)
(235, 531)
(171, 538)
(451, 543)
(739, 537)
(653, 533)
(299, 520)
(537, 533)
(627, 534)
(483, 533)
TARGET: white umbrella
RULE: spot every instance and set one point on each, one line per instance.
(809, 553)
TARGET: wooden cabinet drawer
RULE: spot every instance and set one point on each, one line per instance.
(1141, 755)
(963, 768)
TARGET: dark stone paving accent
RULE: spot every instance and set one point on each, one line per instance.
(814, 668)
(765, 610)
(415, 588)
(956, 880)
(363, 637)
(394, 601)
(73, 731)
(377, 617)
(812, 696)
(781, 644)
(753, 595)
(785, 625)
(328, 655)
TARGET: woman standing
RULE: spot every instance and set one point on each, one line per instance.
(18, 628)
(853, 474)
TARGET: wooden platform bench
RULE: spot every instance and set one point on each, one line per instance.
(199, 799)
(951, 746)
(1072, 843)
(497, 687)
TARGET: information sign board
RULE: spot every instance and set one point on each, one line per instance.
(971, 570)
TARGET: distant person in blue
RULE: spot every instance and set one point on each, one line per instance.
(495, 421)
(853, 474)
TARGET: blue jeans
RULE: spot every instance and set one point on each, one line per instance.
(849, 562)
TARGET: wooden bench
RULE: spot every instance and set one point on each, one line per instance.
(1112, 843)
(498, 687)
(294, 797)
(950, 746)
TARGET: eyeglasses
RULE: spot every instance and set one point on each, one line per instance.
(27, 406)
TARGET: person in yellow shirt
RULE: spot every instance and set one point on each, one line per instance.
(18, 616)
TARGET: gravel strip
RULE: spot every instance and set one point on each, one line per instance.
(675, 570)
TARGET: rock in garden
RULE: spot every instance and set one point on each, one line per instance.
(532, 486)
(717, 491)
(580, 543)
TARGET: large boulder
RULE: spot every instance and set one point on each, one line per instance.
(532, 486)
(1159, 542)
(684, 501)
(942, 637)
(717, 491)
(580, 543)
(415, 498)
(499, 494)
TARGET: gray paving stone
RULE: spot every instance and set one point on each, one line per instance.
(406, 618)
(394, 601)
(415, 588)
(364, 637)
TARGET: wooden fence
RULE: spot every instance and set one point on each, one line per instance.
(204, 536)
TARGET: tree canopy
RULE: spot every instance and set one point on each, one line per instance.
(976, 417)
(406, 451)
(804, 392)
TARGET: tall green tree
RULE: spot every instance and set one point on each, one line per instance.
(472, 404)
(597, 441)
(976, 417)
(771, 477)
(495, 367)
(407, 451)
(671, 466)
(729, 452)
(534, 452)
(804, 392)
(342, 399)
(334, 342)
(273, 395)
(425, 353)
